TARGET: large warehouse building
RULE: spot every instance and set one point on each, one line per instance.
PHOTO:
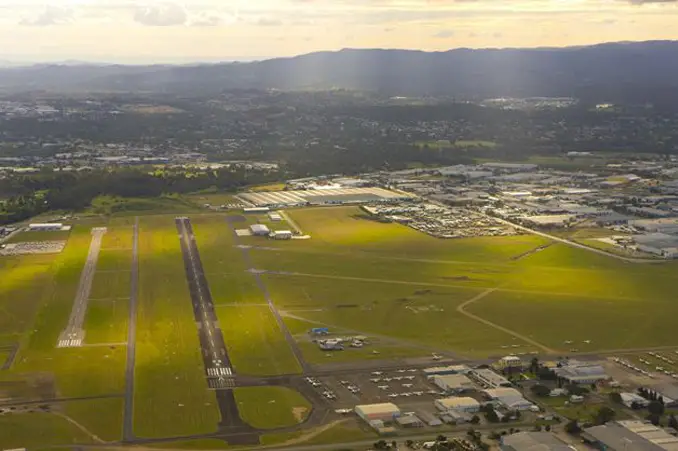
(453, 383)
(630, 435)
(534, 441)
(334, 196)
(383, 412)
(458, 404)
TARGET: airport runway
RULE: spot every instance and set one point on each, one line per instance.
(218, 368)
(128, 420)
(73, 335)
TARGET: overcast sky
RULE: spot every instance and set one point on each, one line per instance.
(138, 31)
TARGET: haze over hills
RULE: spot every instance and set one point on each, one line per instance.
(632, 71)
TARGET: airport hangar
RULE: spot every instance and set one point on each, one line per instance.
(334, 196)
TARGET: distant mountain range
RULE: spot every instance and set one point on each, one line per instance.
(635, 71)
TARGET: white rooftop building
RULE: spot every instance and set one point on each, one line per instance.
(452, 382)
(459, 404)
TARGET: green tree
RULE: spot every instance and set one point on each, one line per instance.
(604, 415)
(615, 397)
(656, 408)
(540, 390)
(572, 427)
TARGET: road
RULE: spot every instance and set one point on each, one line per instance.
(573, 243)
(218, 368)
(128, 421)
(74, 334)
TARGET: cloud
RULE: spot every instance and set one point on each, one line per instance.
(444, 34)
(161, 15)
(51, 15)
(206, 20)
(268, 22)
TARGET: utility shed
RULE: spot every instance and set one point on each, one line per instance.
(259, 230)
(533, 441)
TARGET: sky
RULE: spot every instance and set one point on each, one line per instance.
(182, 31)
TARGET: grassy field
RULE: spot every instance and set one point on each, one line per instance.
(22, 288)
(256, 345)
(389, 280)
(414, 316)
(106, 321)
(39, 236)
(101, 417)
(70, 372)
(271, 407)
(131, 206)
(39, 429)
(171, 394)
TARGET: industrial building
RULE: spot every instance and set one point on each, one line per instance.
(385, 412)
(659, 244)
(510, 398)
(409, 421)
(275, 217)
(488, 378)
(576, 372)
(631, 399)
(48, 227)
(333, 196)
(630, 435)
(533, 441)
(259, 230)
(452, 383)
(281, 235)
(442, 370)
(458, 404)
(510, 362)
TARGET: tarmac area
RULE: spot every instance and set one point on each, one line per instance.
(218, 367)
(74, 334)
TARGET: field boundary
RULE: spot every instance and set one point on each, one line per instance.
(461, 308)
(128, 413)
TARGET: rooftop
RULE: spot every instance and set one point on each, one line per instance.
(631, 436)
(534, 441)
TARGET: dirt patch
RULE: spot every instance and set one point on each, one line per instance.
(236, 218)
(299, 413)
(530, 252)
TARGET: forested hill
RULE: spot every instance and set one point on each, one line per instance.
(639, 71)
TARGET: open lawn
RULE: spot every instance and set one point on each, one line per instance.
(24, 281)
(171, 393)
(131, 206)
(106, 321)
(110, 284)
(114, 260)
(101, 417)
(255, 343)
(414, 317)
(32, 430)
(271, 407)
